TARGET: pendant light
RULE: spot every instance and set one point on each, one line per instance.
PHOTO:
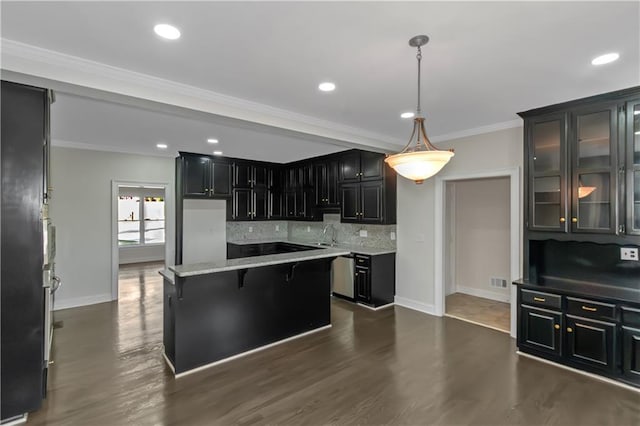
(419, 160)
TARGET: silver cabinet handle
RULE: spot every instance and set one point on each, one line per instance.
(57, 282)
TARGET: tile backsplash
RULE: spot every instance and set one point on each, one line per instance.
(379, 236)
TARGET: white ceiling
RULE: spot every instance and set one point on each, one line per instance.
(485, 61)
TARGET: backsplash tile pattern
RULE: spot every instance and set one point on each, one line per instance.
(259, 230)
(378, 236)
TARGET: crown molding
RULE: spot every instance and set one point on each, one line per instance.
(477, 131)
(58, 143)
(49, 64)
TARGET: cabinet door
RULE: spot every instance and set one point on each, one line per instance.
(290, 204)
(197, 176)
(276, 205)
(276, 179)
(350, 167)
(260, 176)
(591, 342)
(242, 204)
(631, 353)
(321, 187)
(333, 195)
(291, 179)
(362, 285)
(595, 178)
(242, 175)
(350, 200)
(260, 203)
(633, 167)
(221, 176)
(371, 196)
(547, 173)
(371, 165)
(303, 203)
(541, 329)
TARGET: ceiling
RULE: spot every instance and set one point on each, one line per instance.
(485, 61)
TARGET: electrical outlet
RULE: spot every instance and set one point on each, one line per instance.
(392, 236)
(251, 229)
(364, 233)
(498, 282)
(629, 253)
(308, 229)
(277, 228)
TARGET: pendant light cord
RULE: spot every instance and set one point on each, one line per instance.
(419, 58)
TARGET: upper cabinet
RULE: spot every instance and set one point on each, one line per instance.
(632, 132)
(202, 176)
(582, 166)
(357, 166)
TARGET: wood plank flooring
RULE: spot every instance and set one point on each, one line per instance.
(478, 309)
(394, 366)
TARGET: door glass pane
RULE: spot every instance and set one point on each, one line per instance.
(636, 199)
(128, 220)
(546, 201)
(636, 136)
(546, 146)
(593, 140)
(154, 220)
(594, 201)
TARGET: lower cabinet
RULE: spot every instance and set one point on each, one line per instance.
(541, 329)
(374, 280)
(599, 336)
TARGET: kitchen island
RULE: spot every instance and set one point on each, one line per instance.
(217, 311)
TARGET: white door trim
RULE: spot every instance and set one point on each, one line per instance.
(515, 264)
(168, 224)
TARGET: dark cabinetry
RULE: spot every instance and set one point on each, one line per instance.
(326, 175)
(368, 189)
(204, 176)
(374, 279)
(581, 163)
(25, 112)
(250, 191)
(596, 335)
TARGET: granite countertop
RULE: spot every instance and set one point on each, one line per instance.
(168, 275)
(584, 289)
(370, 251)
(182, 271)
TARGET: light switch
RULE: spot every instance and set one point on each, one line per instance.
(277, 228)
(308, 229)
(364, 233)
(392, 236)
(251, 229)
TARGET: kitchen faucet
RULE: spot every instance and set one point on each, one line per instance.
(333, 234)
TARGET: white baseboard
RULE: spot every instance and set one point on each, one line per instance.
(485, 294)
(415, 305)
(81, 301)
(371, 308)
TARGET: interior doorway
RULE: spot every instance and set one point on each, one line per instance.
(476, 273)
(478, 247)
(139, 237)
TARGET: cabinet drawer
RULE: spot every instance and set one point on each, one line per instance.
(538, 298)
(362, 260)
(590, 309)
(631, 316)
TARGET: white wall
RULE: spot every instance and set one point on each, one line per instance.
(482, 231)
(81, 211)
(415, 254)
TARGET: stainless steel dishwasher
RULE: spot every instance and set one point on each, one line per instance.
(342, 270)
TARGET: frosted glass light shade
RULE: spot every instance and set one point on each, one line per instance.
(419, 165)
(584, 191)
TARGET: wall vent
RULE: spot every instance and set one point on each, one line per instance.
(498, 282)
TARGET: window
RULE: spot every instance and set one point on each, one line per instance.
(137, 203)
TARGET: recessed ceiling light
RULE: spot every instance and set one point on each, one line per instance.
(407, 115)
(162, 145)
(605, 59)
(217, 152)
(327, 86)
(167, 31)
(212, 140)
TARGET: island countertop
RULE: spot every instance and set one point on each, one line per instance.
(190, 270)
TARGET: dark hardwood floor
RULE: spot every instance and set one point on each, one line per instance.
(394, 366)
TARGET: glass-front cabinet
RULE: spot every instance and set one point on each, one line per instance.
(547, 173)
(633, 166)
(595, 169)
